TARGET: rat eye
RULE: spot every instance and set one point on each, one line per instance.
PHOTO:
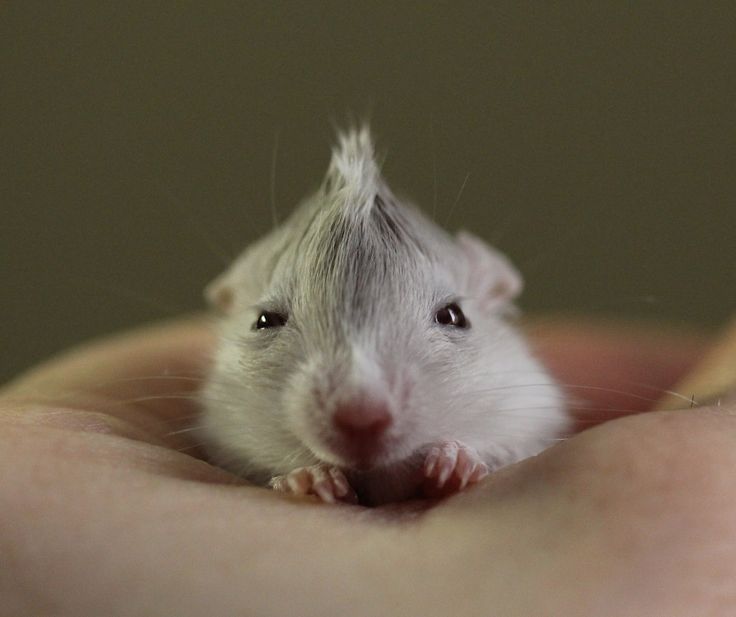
(451, 315)
(269, 319)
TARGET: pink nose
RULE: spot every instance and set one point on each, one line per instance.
(361, 420)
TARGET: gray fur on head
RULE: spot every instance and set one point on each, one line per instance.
(359, 276)
(356, 210)
(353, 170)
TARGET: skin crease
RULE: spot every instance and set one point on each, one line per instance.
(103, 514)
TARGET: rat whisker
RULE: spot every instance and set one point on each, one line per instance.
(149, 378)
(457, 199)
(195, 227)
(295, 455)
(654, 388)
(156, 397)
(183, 430)
(193, 446)
(274, 158)
(140, 297)
(568, 386)
(516, 411)
(434, 170)
(661, 391)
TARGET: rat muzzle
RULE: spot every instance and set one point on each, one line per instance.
(360, 427)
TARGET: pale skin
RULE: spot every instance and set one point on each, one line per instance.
(106, 510)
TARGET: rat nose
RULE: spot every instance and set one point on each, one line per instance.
(362, 420)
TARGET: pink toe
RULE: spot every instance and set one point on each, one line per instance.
(446, 467)
(465, 463)
(431, 462)
(480, 472)
(324, 491)
(339, 482)
(299, 481)
(465, 478)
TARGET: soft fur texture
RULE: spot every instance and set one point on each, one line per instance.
(360, 276)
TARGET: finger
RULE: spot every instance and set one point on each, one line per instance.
(155, 360)
(141, 385)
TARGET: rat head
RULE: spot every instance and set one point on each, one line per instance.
(351, 331)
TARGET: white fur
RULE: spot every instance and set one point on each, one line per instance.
(360, 276)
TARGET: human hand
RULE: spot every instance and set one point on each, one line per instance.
(106, 508)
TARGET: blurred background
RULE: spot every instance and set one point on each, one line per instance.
(592, 142)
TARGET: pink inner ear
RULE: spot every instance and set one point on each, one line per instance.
(501, 289)
(489, 271)
(223, 298)
(226, 298)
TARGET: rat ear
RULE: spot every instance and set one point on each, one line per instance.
(220, 294)
(490, 276)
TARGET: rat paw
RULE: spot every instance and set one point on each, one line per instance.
(323, 481)
(450, 466)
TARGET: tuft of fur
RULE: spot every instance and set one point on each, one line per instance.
(360, 275)
(353, 171)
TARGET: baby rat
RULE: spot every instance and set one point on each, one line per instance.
(366, 355)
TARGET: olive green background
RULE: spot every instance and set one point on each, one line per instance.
(598, 138)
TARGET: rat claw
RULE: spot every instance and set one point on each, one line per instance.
(446, 468)
(451, 466)
(464, 467)
(343, 490)
(431, 461)
(322, 484)
(479, 472)
(327, 483)
(339, 481)
(447, 463)
(324, 491)
(299, 481)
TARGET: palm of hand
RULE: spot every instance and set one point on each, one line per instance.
(633, 517)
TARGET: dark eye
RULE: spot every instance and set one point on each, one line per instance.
(451, 315)
(269, 319)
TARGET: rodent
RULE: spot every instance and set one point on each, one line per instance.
(367, 355)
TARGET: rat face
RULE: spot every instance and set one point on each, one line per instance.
(360, 314)
(358, 332)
